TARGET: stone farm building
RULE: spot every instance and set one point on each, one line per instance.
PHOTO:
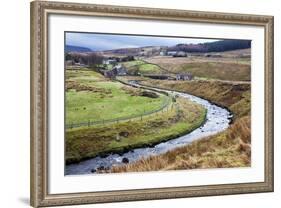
(177, 53)
(120, 70)
(171, 53)
(109, 61)
(186, 76)
(117, 70)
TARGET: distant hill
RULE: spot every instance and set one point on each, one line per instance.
(123, 51)
(217, 46)
(71, 48)
(146, 50)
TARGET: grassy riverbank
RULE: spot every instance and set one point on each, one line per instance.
(233, 95)
(90, 98)
(230, 148)
(88, 142)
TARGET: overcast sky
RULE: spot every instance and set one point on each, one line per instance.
(100, 42)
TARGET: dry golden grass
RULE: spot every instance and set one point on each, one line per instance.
(231, 148)
(236, 97)
(236, 69)
(131, 91)
(74, 85)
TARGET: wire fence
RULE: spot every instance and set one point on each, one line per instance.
(166, 103)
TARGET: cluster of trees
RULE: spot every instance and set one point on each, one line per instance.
(92, 58)
(217, 46)
(84, 58)
(228, 45)
(125, 51)
(123, 59)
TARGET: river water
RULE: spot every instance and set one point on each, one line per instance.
(217, 120)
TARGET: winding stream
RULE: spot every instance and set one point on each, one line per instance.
(217, 120)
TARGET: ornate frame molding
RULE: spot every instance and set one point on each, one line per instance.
(39, 103)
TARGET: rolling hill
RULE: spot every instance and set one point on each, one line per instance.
(71, 48)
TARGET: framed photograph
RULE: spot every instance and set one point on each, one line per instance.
(142, 103)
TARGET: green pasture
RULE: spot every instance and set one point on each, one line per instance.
(110, 102)
(142, 67)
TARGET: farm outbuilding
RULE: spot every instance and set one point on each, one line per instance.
(118, 70)
(176, 53)
(186, 76)
(109, 61)
(171, 53)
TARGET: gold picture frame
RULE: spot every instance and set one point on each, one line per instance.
(39, 103)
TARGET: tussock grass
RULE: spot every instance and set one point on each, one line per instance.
(218, 70)
(236, 69)
(235, 96)
(74, 85)
(231, 148)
